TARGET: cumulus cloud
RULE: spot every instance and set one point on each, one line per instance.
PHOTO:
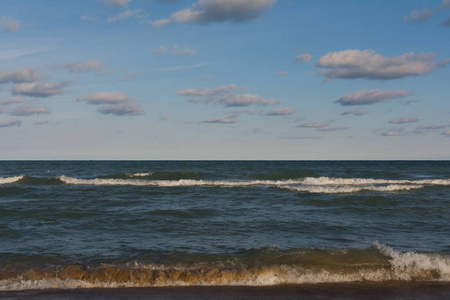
(9, 24)
(355, 112)
(315, 124)
(28, 74)
(419, 16)
(105, 98)
(229, 119)
(43, 90)
(224, 95)
(353, 64)
(28, 110)
(303, 57)
(124, 15)
(14, 100)
(283, 111)
(404, 120)
(211, 11)
(126, 109)
(176, 51)
(394, 132)
(365, 97)
(117, 3)
(11, 123)
(82, 67)
(113, 103)
(302, 137)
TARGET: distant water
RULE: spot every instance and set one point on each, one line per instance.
(85, 224)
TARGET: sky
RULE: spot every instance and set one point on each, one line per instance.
(225, 79)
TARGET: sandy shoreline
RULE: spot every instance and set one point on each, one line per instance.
(390, 290)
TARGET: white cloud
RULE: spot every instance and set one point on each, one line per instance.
(128, 76)
(355, 112)
(125, 15)
(117, 3)
(14, 100)
(126, 109)
(446, 133)
(82, 67)
(43, 90)
(161, 50)
(353, 64)
(302, 137)
(394, 132)
(9, 24)
(210, 11)
(283, 111)
(229, 119)
(29, 74)
(365, 97)
(404, 120)
(28, 110)
(315, 124)
(303, 57)
(105, 98)
(11, 123)
(224, 95)
(419, 16)
(159, 23)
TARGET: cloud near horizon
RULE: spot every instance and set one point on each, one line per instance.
(395, 132)
(224, 95)
(404, 120)
(228, 119)
(354, 64)
(219, 11)
(365, 97)
(315, 124)
(40, 90)
(11, 123)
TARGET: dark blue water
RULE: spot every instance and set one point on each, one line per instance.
(367, 220)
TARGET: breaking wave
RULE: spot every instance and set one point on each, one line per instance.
(308, 184)
(262, 267)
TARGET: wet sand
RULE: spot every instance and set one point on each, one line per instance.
(391, 290)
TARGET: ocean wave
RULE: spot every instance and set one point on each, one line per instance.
(7, 180)
(308, 184)
(351, 189)
(297, 266)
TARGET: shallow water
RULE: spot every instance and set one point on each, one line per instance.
(85, 224)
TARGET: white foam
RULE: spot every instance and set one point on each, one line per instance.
(141, 174)
(7, 180)
(410, 265)
(334, 189)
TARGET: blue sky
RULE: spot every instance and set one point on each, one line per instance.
(225, 79)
